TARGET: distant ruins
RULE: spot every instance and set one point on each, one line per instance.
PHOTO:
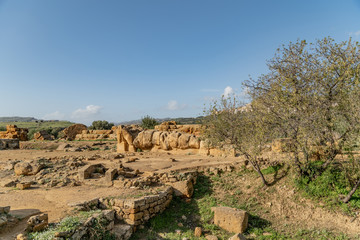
(167, 136)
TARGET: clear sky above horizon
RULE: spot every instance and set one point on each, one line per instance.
(115, 60)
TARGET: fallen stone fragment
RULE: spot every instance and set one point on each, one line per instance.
(230, 219)
(23, 186)
(198, 232)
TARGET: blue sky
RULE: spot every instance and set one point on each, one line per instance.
(88, 60)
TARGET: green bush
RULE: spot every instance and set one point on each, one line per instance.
(148, 122)
(328, 185)
(101, 125)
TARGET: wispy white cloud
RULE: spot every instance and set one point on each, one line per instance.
(54, 116)
(174, 106)
(228, 91)
(87, 112)
(356, 34)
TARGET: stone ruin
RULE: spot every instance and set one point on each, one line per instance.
(171, 126)
(9, 144)
(43, 135)
(97, 134)
(71, 131)
(13, 132)
(133, 138)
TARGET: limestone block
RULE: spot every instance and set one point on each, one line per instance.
(230, 219)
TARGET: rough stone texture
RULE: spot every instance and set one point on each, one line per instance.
(4, 210)
(138, 211)
(122, 231)
(23, 168)
(110, 174)
(23, 186)
(198, 232)
(238, 236)
(230, 219)
(183, 188)
(151, 140)
(37, 223)
(13, 132)
(88, 170)
(125, 136)
(71, 131)
(43, 135)
(172, 126)
(97, 134)
(9, 144)
(155, 140)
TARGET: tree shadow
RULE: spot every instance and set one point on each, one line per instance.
(278, 175)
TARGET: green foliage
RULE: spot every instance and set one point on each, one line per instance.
(71, 223)
(66, 225)
(101, 125)
(271, 169)
(148, 122)
(2, 128)
(328, 185)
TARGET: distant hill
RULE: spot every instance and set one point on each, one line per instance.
(17, 119)
(180, 120)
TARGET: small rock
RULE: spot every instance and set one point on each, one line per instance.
(198, 232)
(178, 231)
(21, 237)
(23, 186)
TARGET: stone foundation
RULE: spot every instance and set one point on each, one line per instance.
(13, 132)
(9, 144)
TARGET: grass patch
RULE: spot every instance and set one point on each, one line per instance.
(70, 224)
(329, 187)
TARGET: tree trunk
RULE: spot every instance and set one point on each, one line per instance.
(348, 197)
(256, 166)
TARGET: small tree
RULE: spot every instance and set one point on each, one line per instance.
(311, 94)
(148, 122)
(101, 125)
(229, 122)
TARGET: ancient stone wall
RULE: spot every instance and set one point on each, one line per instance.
(96, 135)
(43, 135)
(133, 212)
(9, 144)
(13, 132)
(171, 126)
(138, 211)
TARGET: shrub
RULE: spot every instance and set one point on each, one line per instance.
(148, 122)
(101, 125)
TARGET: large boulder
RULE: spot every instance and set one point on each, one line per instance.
(173, 139)
(144, 140)
(71, 131)
(183, 141)
(23, 168)
(230, 219)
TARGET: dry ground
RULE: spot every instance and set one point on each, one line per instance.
(279, 204)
